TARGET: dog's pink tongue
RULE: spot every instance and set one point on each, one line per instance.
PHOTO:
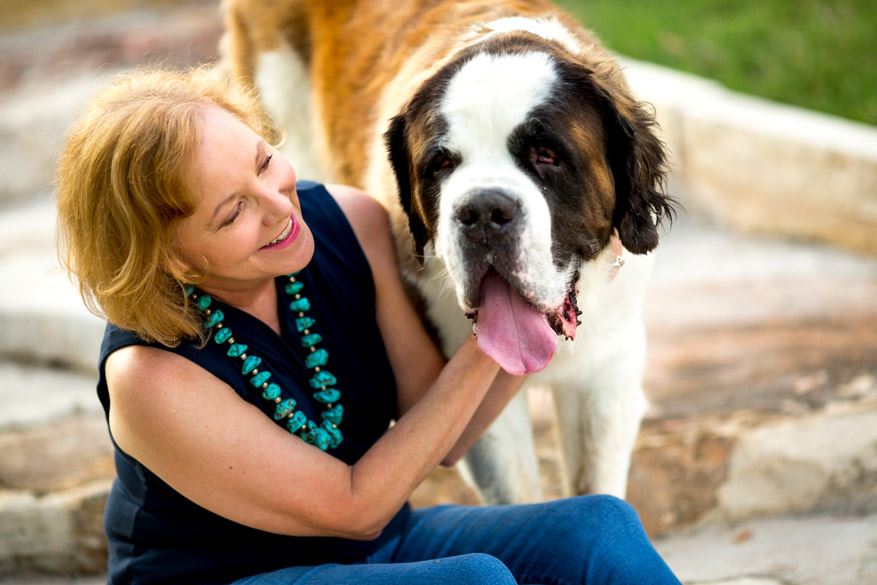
(517, 336)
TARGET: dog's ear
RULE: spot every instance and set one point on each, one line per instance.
(638, 162)
(400, 160)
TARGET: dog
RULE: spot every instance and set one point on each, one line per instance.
(519, 173)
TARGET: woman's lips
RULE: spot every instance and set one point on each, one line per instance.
(293, 229)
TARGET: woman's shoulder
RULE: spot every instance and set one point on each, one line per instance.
(365, 214)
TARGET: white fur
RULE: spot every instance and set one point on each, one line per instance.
(284, 85)
(485, 101)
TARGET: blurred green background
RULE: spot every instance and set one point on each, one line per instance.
(818, 54)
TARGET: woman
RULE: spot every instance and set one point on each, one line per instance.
(259, 345)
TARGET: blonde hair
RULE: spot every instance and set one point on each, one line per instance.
(121, 194)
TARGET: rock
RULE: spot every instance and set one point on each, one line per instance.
(765, 167)
(34, 395)
(60, 533)
(64, 453)
(809, 550)
(825, 461)
(44, 321)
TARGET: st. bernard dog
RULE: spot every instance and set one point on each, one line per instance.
(515, 165)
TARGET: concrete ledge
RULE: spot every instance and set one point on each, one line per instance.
(61, 533)
(764, 167)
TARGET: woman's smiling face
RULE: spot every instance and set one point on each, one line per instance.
(247, 225)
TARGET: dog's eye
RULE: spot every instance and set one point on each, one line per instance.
(542, 155)
(440, 165)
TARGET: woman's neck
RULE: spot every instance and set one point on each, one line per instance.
(259, 300)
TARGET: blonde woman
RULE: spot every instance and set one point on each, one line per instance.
(259, 348)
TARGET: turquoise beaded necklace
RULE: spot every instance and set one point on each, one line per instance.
(325, 435)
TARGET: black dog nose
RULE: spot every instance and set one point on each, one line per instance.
(488, 209)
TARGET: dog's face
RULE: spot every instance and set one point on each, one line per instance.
(513, 158)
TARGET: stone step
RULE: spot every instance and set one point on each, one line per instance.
(788, 550)
(43, 319)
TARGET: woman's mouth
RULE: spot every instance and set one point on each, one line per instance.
(285, 237)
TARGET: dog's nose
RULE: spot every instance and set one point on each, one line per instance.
(487, 209)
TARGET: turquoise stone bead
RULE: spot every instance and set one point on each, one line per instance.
(293, 288)
(189, 289)
(260, 378)
(323, 378)
(321, 439)
(222, 335)
(250, 364)
(296, 422)
(335, 436)
(311, 339)
(302, 304)
(284, 409)
(334, 414)
(271, 392)
(204, 302)
(236, 350)
(215, 317)
(317, 358)
(327, 396)
(303, 323)
(307, 434)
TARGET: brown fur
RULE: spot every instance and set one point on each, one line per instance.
(362, 53)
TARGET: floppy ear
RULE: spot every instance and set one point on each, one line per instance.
(639, 167)
(400, 160)
(635, 156)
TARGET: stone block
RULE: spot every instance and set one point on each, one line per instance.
(806, 464)
(61, 533)
(765, 167)
(64, 453)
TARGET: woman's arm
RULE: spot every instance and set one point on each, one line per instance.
(223, 453)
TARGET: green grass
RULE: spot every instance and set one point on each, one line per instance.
(816, 54)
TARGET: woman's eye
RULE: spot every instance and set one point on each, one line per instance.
(237, 211)
(542, 155)
(266, 164)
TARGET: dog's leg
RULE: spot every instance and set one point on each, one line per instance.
(599, 415)
(502, 464)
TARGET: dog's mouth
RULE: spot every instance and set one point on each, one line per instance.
(519, 336)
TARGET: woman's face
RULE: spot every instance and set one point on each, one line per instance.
(247, 225)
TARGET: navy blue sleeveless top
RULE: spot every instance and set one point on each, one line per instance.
(155, 534)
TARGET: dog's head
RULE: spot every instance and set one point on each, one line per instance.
(517, 161)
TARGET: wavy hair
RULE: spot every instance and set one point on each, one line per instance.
(121, 194)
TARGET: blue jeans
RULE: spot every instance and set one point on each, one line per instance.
(593, 540)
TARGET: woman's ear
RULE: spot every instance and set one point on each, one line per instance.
(400, 160)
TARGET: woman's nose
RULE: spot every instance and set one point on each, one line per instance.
(276, 205)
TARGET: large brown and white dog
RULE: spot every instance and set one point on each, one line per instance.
(507, 147)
